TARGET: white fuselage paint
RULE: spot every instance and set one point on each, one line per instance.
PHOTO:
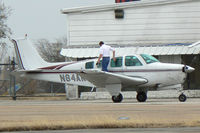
(157, 74)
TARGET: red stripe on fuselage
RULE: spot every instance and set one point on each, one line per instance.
(57, 67)
(165, 70)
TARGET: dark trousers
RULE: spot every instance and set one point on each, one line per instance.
(105, 63)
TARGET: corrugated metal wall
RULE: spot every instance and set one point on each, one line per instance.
(152, 24)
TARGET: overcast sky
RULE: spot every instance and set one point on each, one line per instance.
(42, 18)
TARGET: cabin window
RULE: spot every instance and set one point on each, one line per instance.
(89, 65)
(117, 63)
(132, 61)
(149, 59)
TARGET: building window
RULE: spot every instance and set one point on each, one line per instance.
(89, 65)
(132, 61)
(117, 63)
(119, 13)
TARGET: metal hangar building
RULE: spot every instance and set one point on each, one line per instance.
(163, 28)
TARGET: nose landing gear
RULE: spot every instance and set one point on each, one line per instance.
(182, 98)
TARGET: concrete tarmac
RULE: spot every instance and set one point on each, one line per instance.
(40, 114)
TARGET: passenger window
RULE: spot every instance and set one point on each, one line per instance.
(132, 61)
(89, 65)
(117, 63)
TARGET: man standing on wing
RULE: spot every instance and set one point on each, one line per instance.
(104, 53)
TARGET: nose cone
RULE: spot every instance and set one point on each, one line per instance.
(188, 69)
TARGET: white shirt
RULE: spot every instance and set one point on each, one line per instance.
(105, 50)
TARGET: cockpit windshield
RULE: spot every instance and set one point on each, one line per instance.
(149, 59)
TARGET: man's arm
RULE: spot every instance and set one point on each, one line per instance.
(113, 51)
(114, 56)
(100, 56)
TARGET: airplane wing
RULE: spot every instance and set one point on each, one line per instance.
(101, 78)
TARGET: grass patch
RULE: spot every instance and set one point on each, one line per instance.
(93, 122)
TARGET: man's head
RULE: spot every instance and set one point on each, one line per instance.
(101, 43)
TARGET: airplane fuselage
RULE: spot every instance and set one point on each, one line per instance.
(156, 73)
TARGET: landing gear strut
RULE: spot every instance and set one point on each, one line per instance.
(141, 96)
(117, 99)
(182, 98)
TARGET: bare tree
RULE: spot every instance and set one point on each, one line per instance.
(50, 51)
(3, 51)
(5, 31)
(4, 13)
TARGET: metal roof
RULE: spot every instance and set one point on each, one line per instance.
(120, 6)
(120, 51)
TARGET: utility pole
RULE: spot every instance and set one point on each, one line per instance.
(13, 77)
(12, 90)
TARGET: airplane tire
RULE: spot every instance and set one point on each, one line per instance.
(117, 99)
(141, 96)
(182, 98)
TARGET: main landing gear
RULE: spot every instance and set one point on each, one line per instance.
(141, 96)
(117, 99)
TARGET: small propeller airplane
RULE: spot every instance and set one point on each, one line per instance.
(139, 73)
